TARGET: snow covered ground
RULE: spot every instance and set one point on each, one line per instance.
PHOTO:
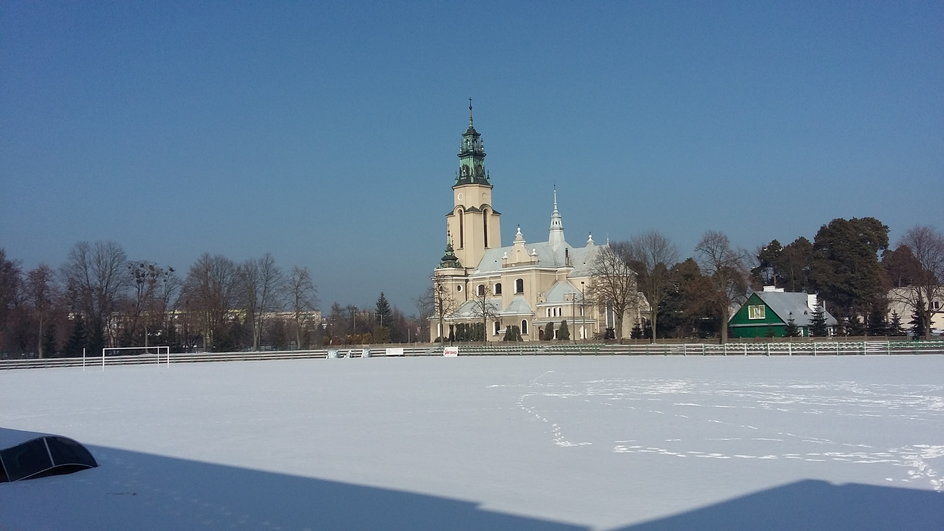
(489, 443)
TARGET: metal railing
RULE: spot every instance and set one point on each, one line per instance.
(804, 348)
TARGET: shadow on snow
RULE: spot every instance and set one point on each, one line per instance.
(146, 491)
(133, 490)
(813, 504)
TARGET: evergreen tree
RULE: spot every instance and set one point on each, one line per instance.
(49, 341)
(564, 332)
(478, 331)
(549, 332)
(791, 330)
(845, 266)
(460, 332)
(636, 332)
(877, 326)
(512, 333)
(818, 322)
(383, 311)
(76, 341)
(894, 326)
(917, 325)
(856, 327)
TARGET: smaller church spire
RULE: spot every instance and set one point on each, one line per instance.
(556, 235)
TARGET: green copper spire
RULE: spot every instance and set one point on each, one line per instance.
(472, 156)
(449, 260)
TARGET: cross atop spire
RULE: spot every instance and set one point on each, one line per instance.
(470, 112)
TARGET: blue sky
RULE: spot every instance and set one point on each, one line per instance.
(326, 133)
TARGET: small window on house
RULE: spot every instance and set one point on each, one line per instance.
(498, 288)
(519, 285)
(756, 311)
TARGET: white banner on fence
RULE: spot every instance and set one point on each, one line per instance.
(450, 352)
(395, 351)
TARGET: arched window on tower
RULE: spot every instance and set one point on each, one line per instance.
(485, 226)
(461, 229)
(524, 326)
(498, 288)
(519, 285)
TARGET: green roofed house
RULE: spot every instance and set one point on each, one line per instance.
(767, 313)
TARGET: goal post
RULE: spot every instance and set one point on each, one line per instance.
(158, 349)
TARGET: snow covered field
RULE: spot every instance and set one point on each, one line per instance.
(489, 443)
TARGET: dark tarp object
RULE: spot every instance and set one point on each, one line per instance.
(44, 456)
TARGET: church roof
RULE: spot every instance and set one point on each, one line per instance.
(560, 292)
(564, 255)
(518, 306)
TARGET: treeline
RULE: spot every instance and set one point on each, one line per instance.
(849, 264)
(383, 323)
(100, 298)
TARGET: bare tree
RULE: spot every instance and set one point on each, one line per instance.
(260, 280)
(444, 303)
(927, 246)
(726, 268)
(209, 294)
(41, 292)
(167, 302)
(484, 308)
(10, 287)
(96, 279)
(151, 287)
(652, 256)
(613, 283)
(303, 298)
(426, 309)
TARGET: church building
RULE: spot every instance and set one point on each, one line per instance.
(516, 289)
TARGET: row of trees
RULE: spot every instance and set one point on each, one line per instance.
(849, 265)
(690, 298)
(381, 324)
(100, 298)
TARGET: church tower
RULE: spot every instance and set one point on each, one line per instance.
(473, 225)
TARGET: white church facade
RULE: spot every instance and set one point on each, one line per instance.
(520, 288)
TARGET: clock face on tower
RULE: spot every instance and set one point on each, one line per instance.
(459, 196)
